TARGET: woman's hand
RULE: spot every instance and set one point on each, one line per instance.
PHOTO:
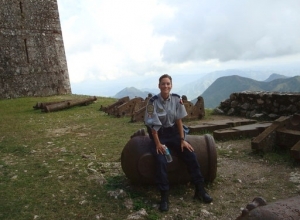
(185, 144)
(160, 148)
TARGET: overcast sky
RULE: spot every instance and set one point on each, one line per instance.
(113, 44)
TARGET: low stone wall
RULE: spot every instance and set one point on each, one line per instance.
(260, 104)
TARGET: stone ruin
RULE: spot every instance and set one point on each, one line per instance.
(262, 104)
(32, 57)
(136, 107)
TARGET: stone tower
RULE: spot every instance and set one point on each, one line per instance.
(32, 55)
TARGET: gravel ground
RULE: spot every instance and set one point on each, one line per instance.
(241, 176)
(238, 182)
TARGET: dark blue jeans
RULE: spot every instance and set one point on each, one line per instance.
(173, 142)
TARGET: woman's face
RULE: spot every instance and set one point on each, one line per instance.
(165, 86)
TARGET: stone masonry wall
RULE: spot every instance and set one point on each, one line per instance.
(32, 55)
(261, 103)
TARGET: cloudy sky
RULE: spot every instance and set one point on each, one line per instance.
(113, 44)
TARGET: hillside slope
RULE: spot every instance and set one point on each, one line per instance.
(224, 86)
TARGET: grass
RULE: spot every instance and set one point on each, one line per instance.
(66, 164)
(46, 157)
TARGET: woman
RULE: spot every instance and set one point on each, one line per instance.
(163, 118)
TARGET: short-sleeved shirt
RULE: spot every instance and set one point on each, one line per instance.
(164, 113)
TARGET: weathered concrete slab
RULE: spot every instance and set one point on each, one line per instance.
(219, 124)
(251, 130)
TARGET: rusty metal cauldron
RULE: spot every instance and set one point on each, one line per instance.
(283, 209)
(139, 165)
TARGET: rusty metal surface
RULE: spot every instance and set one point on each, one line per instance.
(111, 109)
(135, 108)
(42, 105)
(139, 166)
(127, 108)
(280, 210)
(212, 158)
(56, 106)
(85, 101)
(139, 114)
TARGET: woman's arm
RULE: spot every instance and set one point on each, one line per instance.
(184, 144)
(159, 146)
(180, 129)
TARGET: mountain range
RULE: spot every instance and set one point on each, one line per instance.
(224, 86)
(217, 86)
(132, 92)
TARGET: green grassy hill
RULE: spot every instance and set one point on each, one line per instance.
(224, 86)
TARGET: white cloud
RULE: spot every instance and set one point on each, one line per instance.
(113, 42)
(112, 39)
(232, 30)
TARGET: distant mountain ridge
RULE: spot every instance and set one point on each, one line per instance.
(197, 86)
(132, 93)
(275, 76)
(193, 89)
(224, 86)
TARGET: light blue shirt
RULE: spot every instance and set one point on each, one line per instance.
(160, 112)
